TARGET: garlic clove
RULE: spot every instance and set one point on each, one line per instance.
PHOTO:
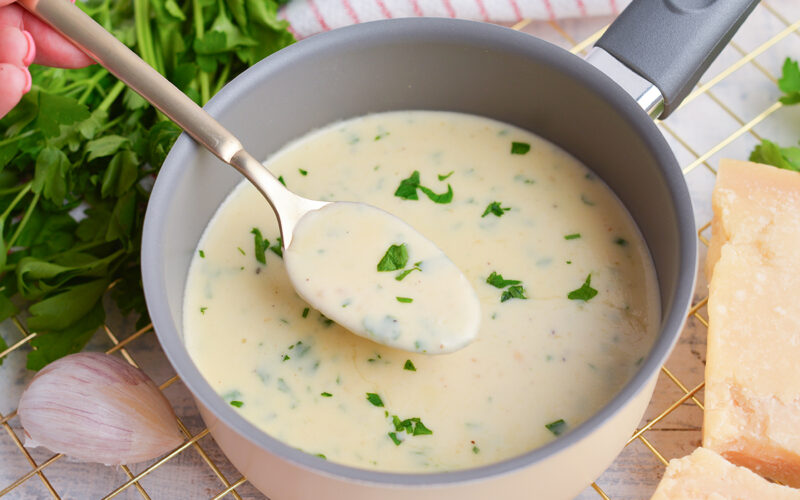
(98, 408)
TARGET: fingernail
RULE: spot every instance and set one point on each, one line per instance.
(30, 55)
(28, 80)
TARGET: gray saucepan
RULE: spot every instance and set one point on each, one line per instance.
(599, 110)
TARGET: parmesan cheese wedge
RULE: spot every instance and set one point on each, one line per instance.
(704, 475)
(752, 394)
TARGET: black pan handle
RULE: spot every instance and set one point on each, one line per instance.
(671, 43)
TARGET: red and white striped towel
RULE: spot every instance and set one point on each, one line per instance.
(308, 17)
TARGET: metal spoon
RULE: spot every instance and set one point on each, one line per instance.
(459, 321)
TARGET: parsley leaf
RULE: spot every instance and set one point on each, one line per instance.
(409, 366)
(405, 300)
(405, 273)
(261, 246)
(395, 258)
(514, 292)
(770, 153)
(585, 292)
(326, 394)
(497, 281)
(558, 427)
(445, 176)
(408, 190)
(495, 208)
(408, 187)
(443, 198)
(277, 247)
(573, 236)
(520, 148)
(397, 441)
(419, 428)
(302, 172)
(375, 399)
(237, 404)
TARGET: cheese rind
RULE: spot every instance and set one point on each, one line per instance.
(752, 395)
(704, 475)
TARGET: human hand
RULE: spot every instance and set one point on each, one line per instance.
(24, 39)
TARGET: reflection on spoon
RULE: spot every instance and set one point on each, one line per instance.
(378, 277)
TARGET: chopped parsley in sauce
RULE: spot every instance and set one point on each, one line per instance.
(408, 190)
(237, 404)
(476, 450)
(302, 172)
(375, 399)
(395, 258)
(280, 178)
(397, 441)
(445, 176)
(585, 292)
(408, 187)
(573, 236)
(513, 292)
(381, 136)
(276, 248)
(241, 251)
(497, 281)
(520, 148)
(621, 242)
(413, 426)
(405, 300)
(260, 245)
(326, 394)
(202, 254)
(409, 366)
(558, 427)
(305, 312)
(495, 208)
(203, 310)
(405, 273)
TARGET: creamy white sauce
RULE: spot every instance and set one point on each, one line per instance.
(542, 363)
(376, 276)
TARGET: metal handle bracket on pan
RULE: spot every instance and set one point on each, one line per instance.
(645, 93)
(668, 44)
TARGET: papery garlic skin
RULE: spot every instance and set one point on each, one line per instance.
(98, 408)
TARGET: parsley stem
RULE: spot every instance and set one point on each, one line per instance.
(18, 137)
(91, 84)
(16, 200)
(223, 77)
(198, 33)
(24, 221)
(112, 96)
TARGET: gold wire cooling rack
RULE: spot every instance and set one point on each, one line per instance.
(672, 394)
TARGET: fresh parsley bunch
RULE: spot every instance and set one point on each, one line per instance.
(768, 152)
(78, 154)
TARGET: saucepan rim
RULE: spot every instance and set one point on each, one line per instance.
(451, 31)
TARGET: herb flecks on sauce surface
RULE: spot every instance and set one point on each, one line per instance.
(458, 396)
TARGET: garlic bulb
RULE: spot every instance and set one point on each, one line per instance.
(97, 408)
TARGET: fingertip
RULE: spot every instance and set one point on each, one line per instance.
(14, 82)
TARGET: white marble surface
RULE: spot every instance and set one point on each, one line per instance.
(701, 125)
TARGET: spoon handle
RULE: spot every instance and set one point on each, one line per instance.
(103, 47)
